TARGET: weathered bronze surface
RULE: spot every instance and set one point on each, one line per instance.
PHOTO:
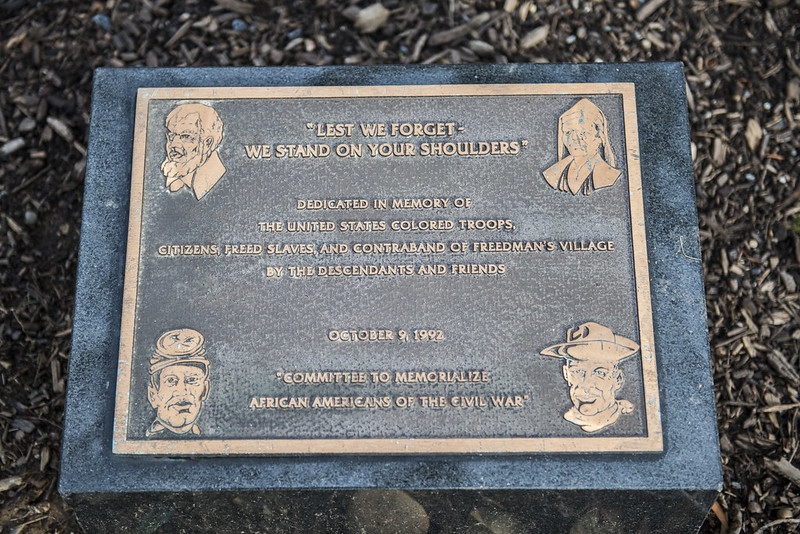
(396, 269)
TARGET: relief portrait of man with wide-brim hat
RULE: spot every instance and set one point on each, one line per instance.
(592, 354)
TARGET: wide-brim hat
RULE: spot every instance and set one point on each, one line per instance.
(593, 342)
(183, 346)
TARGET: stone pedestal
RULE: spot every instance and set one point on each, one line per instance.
(655, 468)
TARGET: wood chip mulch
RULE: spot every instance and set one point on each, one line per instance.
(742, 62)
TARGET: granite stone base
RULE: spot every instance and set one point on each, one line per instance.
(667, 492)
(397, 511)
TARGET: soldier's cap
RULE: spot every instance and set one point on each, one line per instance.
(593, 342)
(183, 346)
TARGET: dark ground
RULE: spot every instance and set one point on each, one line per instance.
(741, 60)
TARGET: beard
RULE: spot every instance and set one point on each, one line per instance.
(176, 170)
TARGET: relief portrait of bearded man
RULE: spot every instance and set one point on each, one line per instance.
(194, 132)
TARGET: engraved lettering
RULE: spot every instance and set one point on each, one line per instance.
(334, 204)
(258, 151)
(373, 130)
(334, 130)
(419, 203)
(428, 129)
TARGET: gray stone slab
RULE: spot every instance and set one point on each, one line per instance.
(667, 491)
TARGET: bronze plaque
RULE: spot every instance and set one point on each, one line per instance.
(387, 270)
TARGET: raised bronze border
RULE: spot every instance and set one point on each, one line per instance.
(652, 443)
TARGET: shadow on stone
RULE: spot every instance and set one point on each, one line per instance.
(386, 512)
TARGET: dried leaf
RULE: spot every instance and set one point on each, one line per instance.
(178, 35)
(61, 129)
(793, 90)
(16, 39)
(753, 133)
(12, 146)
(459, 31)
(44, 459)
(482, 48)
(372, 18)
(783, 367)
(784, 468)
(718, 153)
(14, 225)
(648, 9)
(534, 37)
(779, 317)
(788, 281)
(721, 515)
(10, 483)
(23, 424)
(237, 6)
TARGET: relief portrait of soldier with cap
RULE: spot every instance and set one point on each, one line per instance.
(194, 132)
(589, 165)
(178, 382)
(592, 354)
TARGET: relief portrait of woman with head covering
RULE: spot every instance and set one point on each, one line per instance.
(589, 165)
